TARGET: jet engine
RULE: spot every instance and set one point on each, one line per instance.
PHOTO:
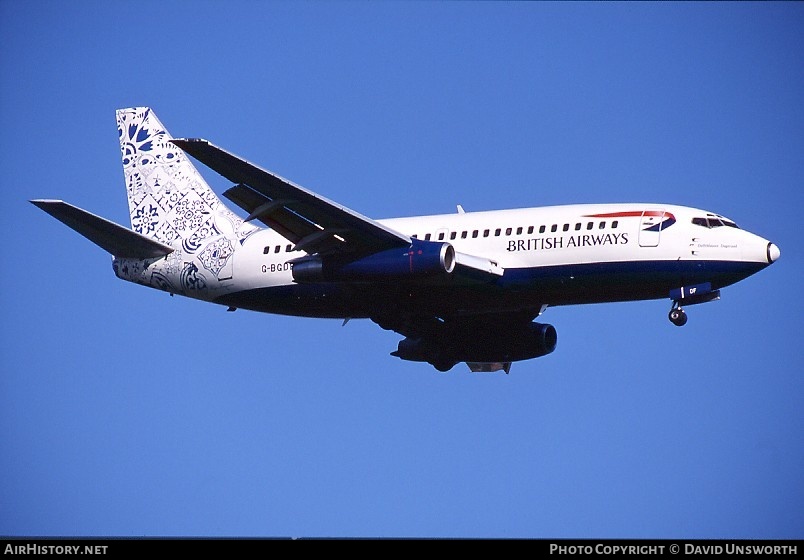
(486, 345)
(420, 259)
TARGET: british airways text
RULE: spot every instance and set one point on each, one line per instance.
(586, 240)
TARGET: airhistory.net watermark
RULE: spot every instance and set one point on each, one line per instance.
(43, 549)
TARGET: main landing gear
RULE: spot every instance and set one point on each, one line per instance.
(677, 315)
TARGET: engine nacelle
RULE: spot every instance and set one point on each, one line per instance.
(420, 259)
(481, 345)
(308, 269)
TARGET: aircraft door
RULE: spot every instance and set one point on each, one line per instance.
(650, 228)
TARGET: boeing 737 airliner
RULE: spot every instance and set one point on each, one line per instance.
(464, 287)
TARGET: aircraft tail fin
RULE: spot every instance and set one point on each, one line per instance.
(117, 240)
(168, 199)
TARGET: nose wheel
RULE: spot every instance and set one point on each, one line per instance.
(677, 315)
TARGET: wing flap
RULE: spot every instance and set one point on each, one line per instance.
(297, 212)
(114, 238)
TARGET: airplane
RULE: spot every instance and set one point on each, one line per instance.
(462, 287)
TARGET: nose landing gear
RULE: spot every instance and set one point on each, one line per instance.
(677, 315)
(690, 295)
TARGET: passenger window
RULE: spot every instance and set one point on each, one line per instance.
(485, 233)
(415, 236)
(590, 225)
(553, 228)
(566, 227)
(427, 237)
(497, 232)
(289, 248)
(474, 234)
(578, 226)
(441, 236)
(614, 224)
(266, 250)
(602, 225)
(278, 248)
(463, 235)
(541, 229)
(508, 231)
(530, 230)
(453, 235)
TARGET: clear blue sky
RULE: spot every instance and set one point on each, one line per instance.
(124, 411)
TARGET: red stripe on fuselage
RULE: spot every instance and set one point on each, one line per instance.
(631, 214)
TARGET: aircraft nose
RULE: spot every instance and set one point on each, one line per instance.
(773, 252)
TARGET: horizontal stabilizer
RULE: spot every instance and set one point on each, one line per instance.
(116, 239)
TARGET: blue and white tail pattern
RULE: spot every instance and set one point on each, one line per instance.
(167, 198)
(170, 202)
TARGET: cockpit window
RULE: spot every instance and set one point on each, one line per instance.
(713, 221)
(705, 223)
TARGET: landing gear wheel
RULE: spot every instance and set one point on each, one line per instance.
(678, 317)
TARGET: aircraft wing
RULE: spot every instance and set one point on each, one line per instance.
(314, 223)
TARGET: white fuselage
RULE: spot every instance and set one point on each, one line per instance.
(538, 237)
